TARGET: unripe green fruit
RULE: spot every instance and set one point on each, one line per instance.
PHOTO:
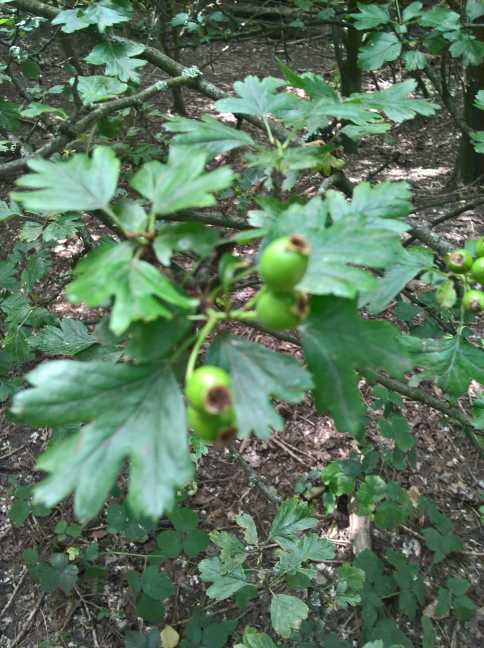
(284, 262)
(203, 426)
(473, 301)
(279, 311)
(480, 248)
(208, 390)
(459, 261)
(477, 270)
(211, 427)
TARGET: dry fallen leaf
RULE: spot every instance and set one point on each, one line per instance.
(431, 611)
(169, 637)
(414, 495)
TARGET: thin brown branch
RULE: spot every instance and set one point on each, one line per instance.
(16, 590)
(71, 131)
(25, 629)
(430, 239)
(448, 102)
(253, 477)
(413, 393)
(421, 396)
(164, 62)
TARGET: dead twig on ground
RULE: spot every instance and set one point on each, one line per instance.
(254, 478)
(17, 587)
(26, 627)
(285, 448)
(89, 617)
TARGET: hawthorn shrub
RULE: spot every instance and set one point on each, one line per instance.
(161, 376)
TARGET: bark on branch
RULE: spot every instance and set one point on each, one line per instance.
(163, 62)
(71, 131)
(413, 393)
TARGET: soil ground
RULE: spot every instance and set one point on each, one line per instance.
(448, 468)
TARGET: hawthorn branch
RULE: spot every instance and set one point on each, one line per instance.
(413, 393)
(70, 131)
(431, 239)
(454, 213)
(210, 90)
(254, 478)
(457, 212)
(38, 8)
(216, 219)
(253, 12)
(422, 396)
(165, 63)
(448, 102)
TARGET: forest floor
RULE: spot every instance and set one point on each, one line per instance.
(448, 469)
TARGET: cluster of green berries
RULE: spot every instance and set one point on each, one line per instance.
(210, 410)
(463, 263)
(282, 266)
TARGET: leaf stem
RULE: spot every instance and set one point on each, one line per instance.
(214, 318)
(242, 315)
(268, 130)
(151, 221)
(107, 210)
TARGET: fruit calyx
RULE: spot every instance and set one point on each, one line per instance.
(208, 390)
(279, 311)
(473, 301)
(459, 261)
(299, 244)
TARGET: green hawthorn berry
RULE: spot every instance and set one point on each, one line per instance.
(473, 300)
(203, 426)
(284, 262)
(477, 270)
(480, 248)
(210, 427)
(208, 390)
(459, 261)
(279, 311)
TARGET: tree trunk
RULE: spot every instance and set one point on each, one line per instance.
(347, 43)
(470, 165)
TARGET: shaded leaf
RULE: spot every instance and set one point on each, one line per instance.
(336, 342)
(184, 237)
(69, 338)
(9, 116)
(224, 584)
(254, 639)
(451, 361)
(181, 183)
(380, 48)
(119, 58)
(102, 14)
(157, 585)
(207, 135)
(287, 614)
(257, 375)
(247, 523)
(370, 16)
(99, 88)
(257, 97)
(132, 412)
(292, 517)
(81, 183)
(408, 264)
(396, 103)
(137, 286)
